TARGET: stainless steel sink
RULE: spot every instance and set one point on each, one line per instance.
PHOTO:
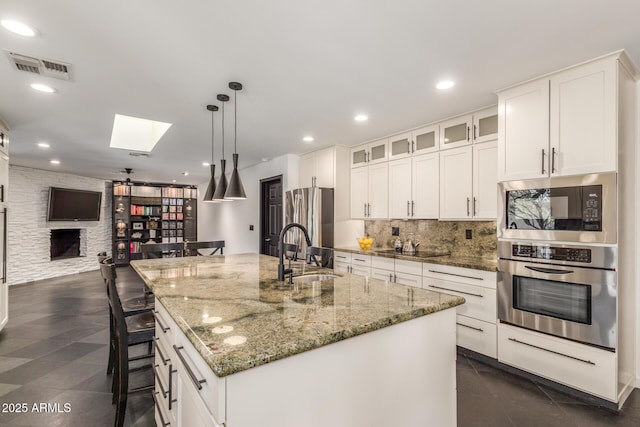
(313, 278)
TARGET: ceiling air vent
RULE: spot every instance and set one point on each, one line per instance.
(138, 154)
(43, 67)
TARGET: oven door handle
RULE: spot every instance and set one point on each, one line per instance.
(548, 270)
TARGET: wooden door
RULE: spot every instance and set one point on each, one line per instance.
(271, 215)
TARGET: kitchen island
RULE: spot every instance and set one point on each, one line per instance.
(239, 348)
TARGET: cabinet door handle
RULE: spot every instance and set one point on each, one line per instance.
(368, 209)
(474, 132)
(413, 146)
(164, 328)
(367, 156)
(588, 362)
(2, 139)
(553, 159)
(468, 133)
(365, 209)
(470, 327)
(4, 246)
(155, 374)
(2, 193)
(543, 161)
(468, 212)
(171, 399)
(412, 206)
(162, 357)
(198, 383)
(408, 147)
(390, 277)
(460, 292)
(457, 275)
(408, 206)
(395, 278)
(155, 401)
(474, 206)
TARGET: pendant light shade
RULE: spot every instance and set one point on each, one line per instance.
(211, 188)
(218, 195)
(235, 190)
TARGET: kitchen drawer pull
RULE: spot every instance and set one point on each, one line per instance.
(164, 328)
(358, 259)
(457, 275)
(155, 374)
(460, 292)
(341, 256)
(162, 421)
(589, 362)
(470, 327)
(543, 160)
(198, 383)
(164, 359)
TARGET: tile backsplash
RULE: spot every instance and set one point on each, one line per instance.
(437, 235)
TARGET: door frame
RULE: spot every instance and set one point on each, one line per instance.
(263, 202)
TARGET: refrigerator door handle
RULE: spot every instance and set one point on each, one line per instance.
(4, 246)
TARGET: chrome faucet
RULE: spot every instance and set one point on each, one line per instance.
(281, 270)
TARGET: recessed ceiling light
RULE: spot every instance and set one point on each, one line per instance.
(43, 145)
(265, 159)
(54, 162)
(308, 139)
(445, 84)
(19, 28)
(206, 164)
(185, 173)
(134, 133)
(361, 118)
(43, 88)
(173, 180)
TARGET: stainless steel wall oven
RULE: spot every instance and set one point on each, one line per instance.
(568, 291)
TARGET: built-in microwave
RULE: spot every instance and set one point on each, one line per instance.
(572, 209)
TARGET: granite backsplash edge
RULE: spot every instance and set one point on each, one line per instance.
(441, 235)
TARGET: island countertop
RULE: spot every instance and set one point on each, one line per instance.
(238, 316)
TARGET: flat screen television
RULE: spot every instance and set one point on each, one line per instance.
(66, 204)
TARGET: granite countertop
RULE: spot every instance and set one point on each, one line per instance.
(432, 257)
(238, 316)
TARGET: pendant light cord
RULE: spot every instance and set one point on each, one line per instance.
(212, 136)
(223, 131)
(235, 122)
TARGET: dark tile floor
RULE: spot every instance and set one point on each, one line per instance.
(54, 350)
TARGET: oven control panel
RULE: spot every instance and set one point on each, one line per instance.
(552, 253)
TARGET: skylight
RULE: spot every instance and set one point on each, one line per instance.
(134, 133)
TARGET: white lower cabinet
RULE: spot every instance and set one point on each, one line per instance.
(476, 318)
(407, 279)
(187, 393)
(586, 368)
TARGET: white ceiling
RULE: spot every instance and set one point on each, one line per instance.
(308, 67)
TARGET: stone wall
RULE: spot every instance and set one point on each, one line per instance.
(29, 232)
(447, 236)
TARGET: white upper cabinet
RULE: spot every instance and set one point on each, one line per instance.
(582, 125)
(425, 186)
(414, 143)
(485, 125)
(468, 182)
(456, 132)
(4, 139)
(400, 189)
(369, 192)
(523, 131)
(317, 169)
(563, 124)
(369, 153)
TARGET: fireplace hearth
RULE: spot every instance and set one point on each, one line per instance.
(65, 243)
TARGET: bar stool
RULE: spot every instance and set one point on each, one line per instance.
(132, 330)
(193, 248)
(157, 250)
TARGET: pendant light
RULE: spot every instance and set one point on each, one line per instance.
(218, 195)
(211, 188)
(235, 190)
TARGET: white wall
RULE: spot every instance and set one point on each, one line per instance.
(29, 232)
(229, 221)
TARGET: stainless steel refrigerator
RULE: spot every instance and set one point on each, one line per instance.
(313, 208)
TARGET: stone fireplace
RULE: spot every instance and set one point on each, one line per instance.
(65, 243)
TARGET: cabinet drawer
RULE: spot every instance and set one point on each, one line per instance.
(408, 279)
(409, 267)
(480, 302)
(362, 260)
(382, 263)
(586, 368)
(161, 364)
(469, 276)
(360, 270)
(213, 389)
(342, 257)
(165, 326)
(477, 335)
(380, 274)
(341, 267)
